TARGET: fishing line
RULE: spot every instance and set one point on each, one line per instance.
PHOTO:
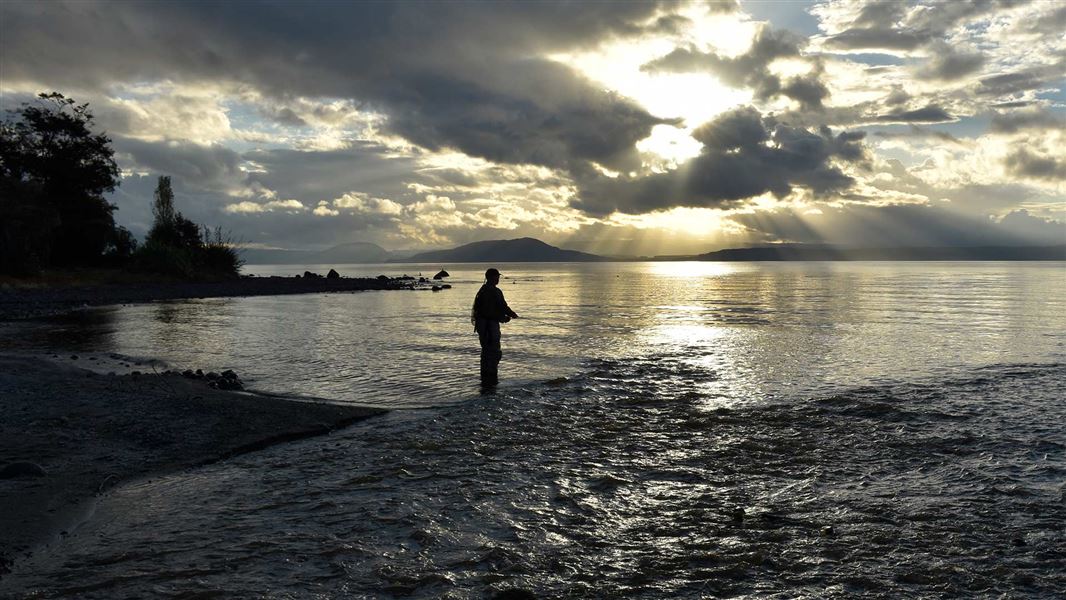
(543, 322)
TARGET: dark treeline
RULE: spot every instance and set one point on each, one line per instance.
(54, 172)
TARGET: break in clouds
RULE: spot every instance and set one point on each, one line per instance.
(412, 125)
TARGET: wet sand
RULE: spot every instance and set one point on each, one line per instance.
(90, 432)
(29, 302)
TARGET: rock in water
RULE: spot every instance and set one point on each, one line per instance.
(22, 469)
(333, 275)
(441, 275)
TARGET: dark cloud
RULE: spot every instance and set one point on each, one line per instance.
(670, 24)
(926, 114)
(1027, 164)
(1015, 121)
(1013, 104)
(899, 26)
(876, 39)
(204, 164)
(744, 155)
(920, 133)
(1006, 84)
(949, 65)
(897, 96)
(445, 75)
(313, 176)
(751, 69)
(596, 126)
(880, 14)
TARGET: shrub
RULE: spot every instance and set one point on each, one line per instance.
(219, 255)
(163, 259)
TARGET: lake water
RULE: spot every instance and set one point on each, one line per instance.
(886, 428)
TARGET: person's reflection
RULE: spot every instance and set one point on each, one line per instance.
(166, 312)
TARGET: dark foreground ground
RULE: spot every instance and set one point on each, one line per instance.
(85, 432)
(24, 302)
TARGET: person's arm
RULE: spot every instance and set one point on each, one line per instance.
(506, 309)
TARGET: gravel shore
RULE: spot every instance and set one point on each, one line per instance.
(74, 433)
(25, 303)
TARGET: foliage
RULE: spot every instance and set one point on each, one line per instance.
(120, 247)
(163, 259)
(54, 172)
(177, 247)
(170, 227)
(220, 254)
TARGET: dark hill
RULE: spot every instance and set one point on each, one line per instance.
(785, 252)
(519, 250)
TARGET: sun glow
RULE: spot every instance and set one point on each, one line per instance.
(694, 98)
(701, 223)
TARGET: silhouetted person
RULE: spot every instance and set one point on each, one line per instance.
(490, 309)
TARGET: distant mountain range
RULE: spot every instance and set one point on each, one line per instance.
(355, 252)
(787, 252)
(533, 250)
(519, 250)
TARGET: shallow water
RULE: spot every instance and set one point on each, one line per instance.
(768, 330)
(891, 429)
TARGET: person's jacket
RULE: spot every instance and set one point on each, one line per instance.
(490, 305)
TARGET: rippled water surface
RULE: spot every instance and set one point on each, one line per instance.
(666, 430)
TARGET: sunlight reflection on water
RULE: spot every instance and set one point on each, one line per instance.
(766, 328)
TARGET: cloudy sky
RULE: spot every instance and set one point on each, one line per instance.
(616, 127)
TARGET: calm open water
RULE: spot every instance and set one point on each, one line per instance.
(894, 429)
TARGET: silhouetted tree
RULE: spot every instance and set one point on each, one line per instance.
(176, 247)
(170, 227)
(163, 207)
(54, 173)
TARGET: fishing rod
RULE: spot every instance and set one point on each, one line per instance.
(541, 321)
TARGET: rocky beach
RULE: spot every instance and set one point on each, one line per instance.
(77, 426)
(70, 434)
